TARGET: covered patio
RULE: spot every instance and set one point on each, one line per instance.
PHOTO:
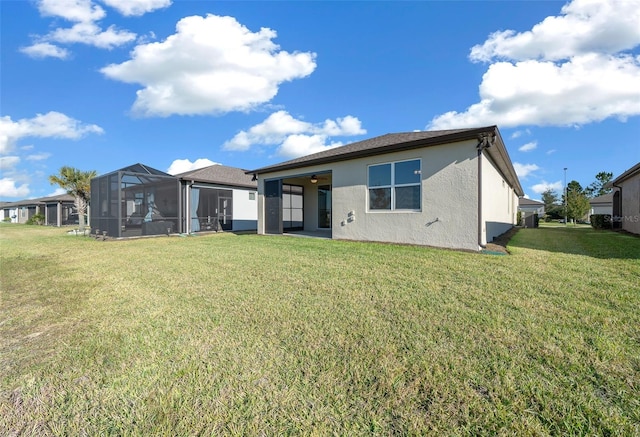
(299, 205)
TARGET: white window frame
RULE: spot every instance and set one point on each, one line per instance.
(393, 187)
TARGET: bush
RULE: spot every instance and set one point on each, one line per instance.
(36, 219)
(547, 218)
(519, 219)
(600, 221)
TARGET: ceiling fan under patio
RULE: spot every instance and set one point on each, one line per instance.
(314, 179)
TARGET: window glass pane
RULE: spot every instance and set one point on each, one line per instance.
(408, 197)
(286, 200)
(407, 172)
(296, 216)
(296, 201)
(379, 175)
(380, 198)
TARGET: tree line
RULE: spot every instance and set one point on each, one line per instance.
(577, 198)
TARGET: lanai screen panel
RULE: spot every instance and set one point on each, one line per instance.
(215, 209)
(135, 201)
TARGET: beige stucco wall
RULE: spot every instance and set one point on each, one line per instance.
(630, 201)
(499, 202)
(448, 217)
(449, 199)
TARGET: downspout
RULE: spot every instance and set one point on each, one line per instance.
(484, 142)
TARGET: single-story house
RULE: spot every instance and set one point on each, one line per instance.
(140, 200)
(626, 200)
(219, 197)
(601, 204)
(530, 211)
(57, 210)
(528, 206)
(451, 188)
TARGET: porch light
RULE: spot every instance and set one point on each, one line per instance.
(314, 179)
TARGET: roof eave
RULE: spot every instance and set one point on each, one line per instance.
(426, 142)
(627, 174)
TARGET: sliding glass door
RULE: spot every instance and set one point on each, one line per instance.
(324, 206)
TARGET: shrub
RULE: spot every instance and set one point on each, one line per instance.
(519, 220)
(600, 221)
(36, 219)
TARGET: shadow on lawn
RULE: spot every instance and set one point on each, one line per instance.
(602, 244)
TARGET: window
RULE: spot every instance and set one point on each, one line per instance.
(395, 186)
(252, 196)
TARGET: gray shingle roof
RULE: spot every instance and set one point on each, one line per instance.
(605, 198)
(394, 142)
(382, 144)
(627, 174)
(220, 174)
(528, 202)
(39, 201)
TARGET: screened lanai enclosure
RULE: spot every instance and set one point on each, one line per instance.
(134, 201)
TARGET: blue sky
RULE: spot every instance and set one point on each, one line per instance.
(102, 84)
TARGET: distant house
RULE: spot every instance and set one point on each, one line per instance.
(626, 201)
(140, 200)
(453, 188)
(57, 210)
(602, 204)
(531, 211)
(529, 206)
(219, 197)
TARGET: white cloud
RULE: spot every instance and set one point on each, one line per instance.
(519, 133)
(301, 145)
(85, 15)
(183, 165)
(8, 162)
(211, 65)
(57, 192)
(8, 188)
(50, 125)
(549, 152)
(585, 26)
(38, 156)
(538, 79)
(528, 147)
(524, 170)
(544, 186)
(91, 34)
(137, 7)
(45, 50)
(72, 10)
(295, 137)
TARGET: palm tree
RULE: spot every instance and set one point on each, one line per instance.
(78, 184)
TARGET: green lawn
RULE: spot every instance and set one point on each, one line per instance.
(258, 335)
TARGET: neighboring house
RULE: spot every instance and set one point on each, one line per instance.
(528, 206)
(6, 211)
(530, 209)
(140, 200)
(453, 188)
(602, 204)
(57, 210)
(219, 197)
(626, 201)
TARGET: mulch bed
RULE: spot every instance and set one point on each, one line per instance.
(499, 244)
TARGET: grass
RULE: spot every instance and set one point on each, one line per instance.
(258, 335)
